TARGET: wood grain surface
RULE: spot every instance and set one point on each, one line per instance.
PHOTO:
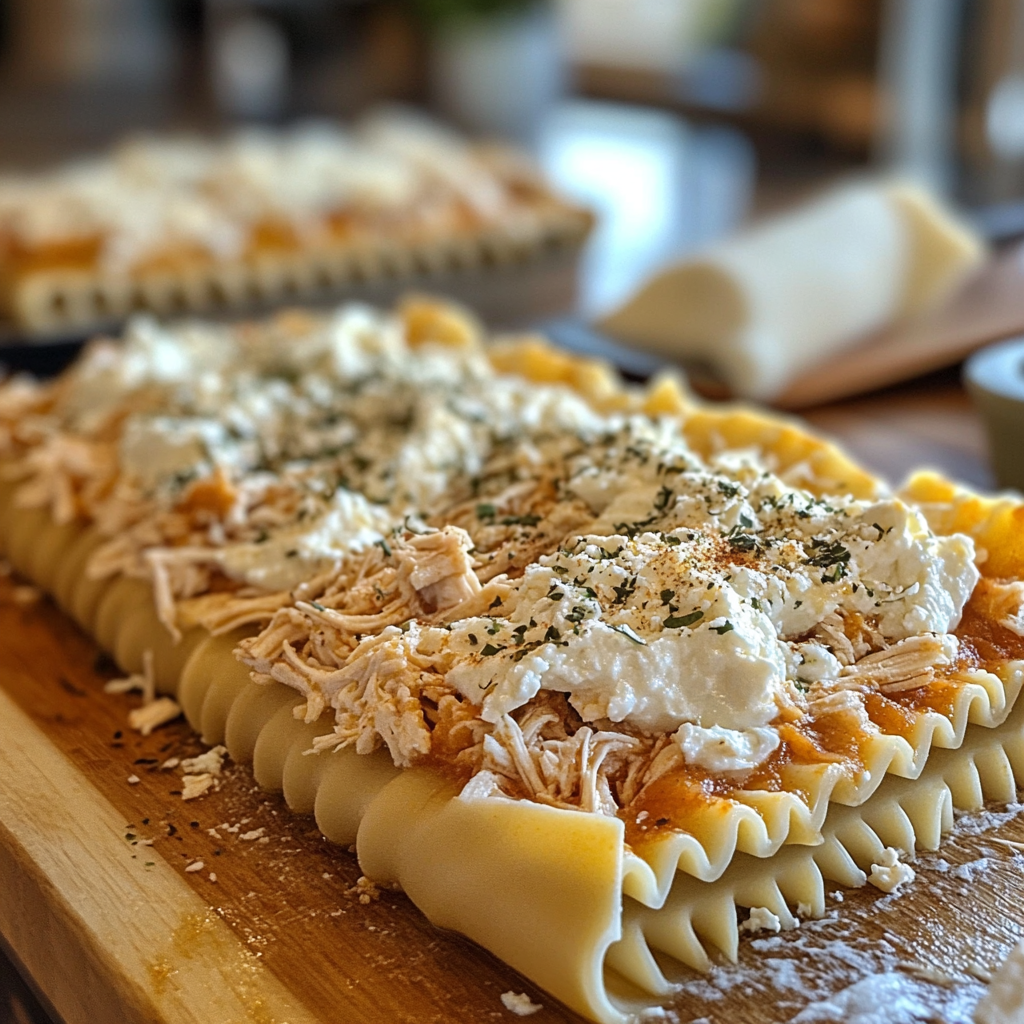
(281, 937)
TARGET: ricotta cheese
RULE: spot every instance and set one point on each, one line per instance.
(688, 601)
(296, 553)
(725, 750)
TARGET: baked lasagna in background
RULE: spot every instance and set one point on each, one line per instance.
(184, 224)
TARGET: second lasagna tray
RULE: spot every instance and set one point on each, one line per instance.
(311, 214)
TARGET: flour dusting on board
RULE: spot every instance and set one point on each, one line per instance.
(889, 997)
(832, 970)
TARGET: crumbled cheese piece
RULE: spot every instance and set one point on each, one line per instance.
(195, 786)
(151, 716)
(804, 910)
(519, 1003)
(136, 681)
(209, 763)
(133, 780)
(891, 873)
(171, 762)
(365, 889)
(213, 876)
(761, 920)
(256, 833)
(26, 595)
(196, 865)
(838, 896)
(725, 750)
(664, 1014)
(144, 681)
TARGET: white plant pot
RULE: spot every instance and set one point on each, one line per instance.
(499, 75)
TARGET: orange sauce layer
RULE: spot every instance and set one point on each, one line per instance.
(273, 235)
(676, 800)
(71, 254)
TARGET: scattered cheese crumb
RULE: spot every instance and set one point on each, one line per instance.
(891, 872)
(761, 920)
(519, 1003)
(209, 763)
(229, 828)
(365, 889)
(213, 832)
(26, 595)
(133, 780)
(171, 762)
(213, 877)
(196, 865)
(838, 896)
(154, 714)
(195, 785)
(256, 833)
(804, 910)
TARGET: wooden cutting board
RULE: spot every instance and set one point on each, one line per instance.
(112, 928)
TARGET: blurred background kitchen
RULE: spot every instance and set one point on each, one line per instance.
(675, 119)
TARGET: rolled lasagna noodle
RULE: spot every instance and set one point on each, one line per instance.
(773, 301)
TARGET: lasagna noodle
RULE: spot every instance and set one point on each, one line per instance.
(557, 893)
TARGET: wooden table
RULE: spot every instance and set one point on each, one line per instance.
(280, 935)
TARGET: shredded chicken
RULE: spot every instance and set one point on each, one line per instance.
(906, 665)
